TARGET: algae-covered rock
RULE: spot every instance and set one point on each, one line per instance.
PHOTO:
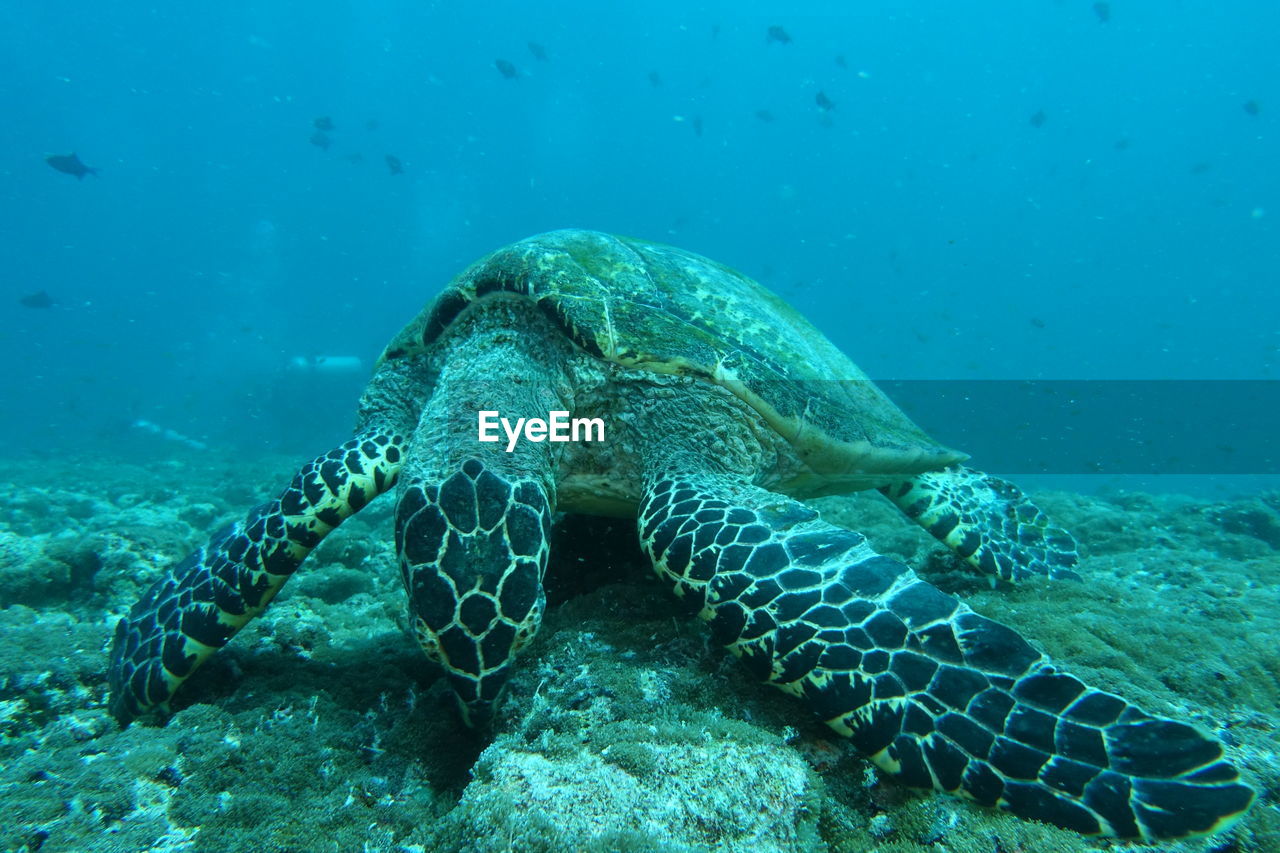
(322, 726)
(1258, 519)
(611, 741)
(718, 795)
(50, 672)
(27, 574)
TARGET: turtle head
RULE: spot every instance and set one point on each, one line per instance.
(473, 551)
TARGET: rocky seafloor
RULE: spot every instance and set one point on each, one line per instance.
(323, 728)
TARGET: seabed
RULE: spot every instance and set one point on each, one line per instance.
(323, 728)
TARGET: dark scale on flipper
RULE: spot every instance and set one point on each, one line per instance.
(932, 691)
(1081, 743)
(987, 521)
(206, 598)
(1014, 760)
(875, 661)
(1068, 776)
(1050, 691)
(1096, 708)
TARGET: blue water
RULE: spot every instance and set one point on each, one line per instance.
(1013, 189)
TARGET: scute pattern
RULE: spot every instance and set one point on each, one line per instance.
(657, 308)
(202, 601)
(988, 522)
(931, 691)
(473, 552)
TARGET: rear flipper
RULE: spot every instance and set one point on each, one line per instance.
(987, 521)
(202, 601)
(934, 693)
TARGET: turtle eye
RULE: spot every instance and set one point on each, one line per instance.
(427, 640)
(527, 629)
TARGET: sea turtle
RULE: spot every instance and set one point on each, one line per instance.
(722, 408)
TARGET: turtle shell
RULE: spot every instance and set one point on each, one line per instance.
(647, 306)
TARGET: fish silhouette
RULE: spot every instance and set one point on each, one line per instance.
(323, 123)
(824, 103)
(70, 164)
(1103, 11)
(38, 300)
(506, 69)
(778, 34)
(1038, 119)
(539, 52)
(394, 164)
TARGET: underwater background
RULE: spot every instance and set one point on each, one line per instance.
(1002, 190)
(1049, 227)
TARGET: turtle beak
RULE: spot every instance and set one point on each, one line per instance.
(477, 712)
(477, 715)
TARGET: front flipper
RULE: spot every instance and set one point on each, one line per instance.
(987, 521)
(934, 693)
(202, 601)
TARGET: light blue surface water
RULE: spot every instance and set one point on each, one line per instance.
(1006, 190)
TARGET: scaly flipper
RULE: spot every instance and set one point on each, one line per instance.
(987, 521)
(934, 693)
(202, 601)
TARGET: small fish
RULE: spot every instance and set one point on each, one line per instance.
(840, 60)
(1103, 11)
(765, 116)
(1037, 120)
(697, 125)
(1037, 322)
(323, 123)
(778, 34)
(321, 140)
(1251, 107)
(70, 164)
(539, 52)
(506, 69)
(394, 164)
(824, 103)
(1122, 144)
(41, 299)
(655, 79)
